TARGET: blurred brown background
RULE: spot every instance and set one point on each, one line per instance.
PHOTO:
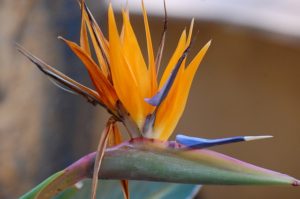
(248, 84)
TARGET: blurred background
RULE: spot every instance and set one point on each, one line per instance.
(248, 84)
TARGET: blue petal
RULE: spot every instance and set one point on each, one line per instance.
(157, 99)
(198, 143)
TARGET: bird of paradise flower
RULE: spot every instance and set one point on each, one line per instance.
(128, 88)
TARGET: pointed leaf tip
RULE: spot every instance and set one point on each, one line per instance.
(296, 183)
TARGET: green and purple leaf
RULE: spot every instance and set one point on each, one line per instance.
(153, 160)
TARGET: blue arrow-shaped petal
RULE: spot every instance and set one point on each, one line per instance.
(157, 99)
(198, 143)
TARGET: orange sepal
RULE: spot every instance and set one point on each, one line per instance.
(98, 40)
(176, 101)
(151, 59)
(124, 80)
(103, 86)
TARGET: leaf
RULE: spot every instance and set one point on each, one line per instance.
(33, 193)
(139, 189)
(153, 160)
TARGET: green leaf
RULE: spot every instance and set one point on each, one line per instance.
(138, 189)
(152, 160)
(33, 193)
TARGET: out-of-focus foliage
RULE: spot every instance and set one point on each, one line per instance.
(138, 189)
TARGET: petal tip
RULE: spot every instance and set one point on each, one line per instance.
(61, 38)
(209, 43)
(152, 101)
(250, 138)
